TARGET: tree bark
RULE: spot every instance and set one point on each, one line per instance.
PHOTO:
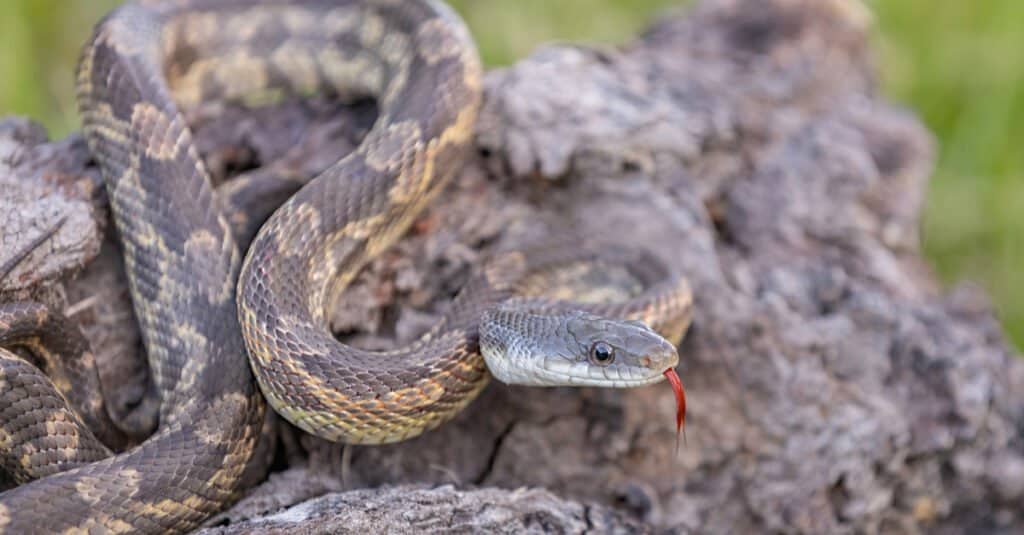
(833, 386)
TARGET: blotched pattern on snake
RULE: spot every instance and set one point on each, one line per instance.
(146, 63)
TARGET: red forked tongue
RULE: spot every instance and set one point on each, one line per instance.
(677, 387)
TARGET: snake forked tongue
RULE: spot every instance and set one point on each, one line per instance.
(677, 388)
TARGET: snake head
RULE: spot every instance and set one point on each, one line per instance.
(572, 348)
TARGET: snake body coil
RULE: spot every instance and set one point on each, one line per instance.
(146, 62)
(427, 84)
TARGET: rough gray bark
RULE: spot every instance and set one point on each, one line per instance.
(833, 387)
(45, 186)
(414, 509)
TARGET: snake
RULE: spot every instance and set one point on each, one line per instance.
(228, 331)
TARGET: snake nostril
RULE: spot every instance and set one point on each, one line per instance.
(645, 362)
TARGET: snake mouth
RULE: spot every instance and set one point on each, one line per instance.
(590, 376)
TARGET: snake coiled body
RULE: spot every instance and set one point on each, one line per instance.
(427, 84)
(149, 60)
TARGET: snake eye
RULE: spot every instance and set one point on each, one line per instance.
(602, 353)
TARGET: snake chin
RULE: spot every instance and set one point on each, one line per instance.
(573, 348)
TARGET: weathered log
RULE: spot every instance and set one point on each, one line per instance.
(423, 509)
(833, 386)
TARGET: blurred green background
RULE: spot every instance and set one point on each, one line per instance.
(959, 64)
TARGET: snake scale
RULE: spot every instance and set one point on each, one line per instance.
(148, 61)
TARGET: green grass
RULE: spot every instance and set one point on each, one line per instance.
(40, 42)
(960, 65)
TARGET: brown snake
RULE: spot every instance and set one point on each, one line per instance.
(147, 61)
